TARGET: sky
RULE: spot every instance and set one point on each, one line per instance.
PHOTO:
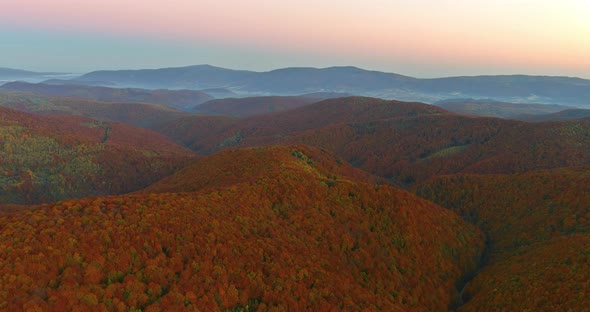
(420, 38)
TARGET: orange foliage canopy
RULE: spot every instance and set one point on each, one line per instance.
(302, 234)
(407, 143)
(51, 158)
(538, 227)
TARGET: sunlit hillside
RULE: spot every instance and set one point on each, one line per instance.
(304, 233)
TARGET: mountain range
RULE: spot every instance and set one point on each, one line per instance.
(346, 79)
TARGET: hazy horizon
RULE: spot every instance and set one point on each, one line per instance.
(77, 73)
(423, 39)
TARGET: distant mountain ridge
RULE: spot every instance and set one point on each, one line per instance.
(353, 80)
(11, 74)
(171, 78)
(179, 99)
(19, 72)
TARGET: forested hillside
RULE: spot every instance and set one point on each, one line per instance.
(51, 158)
(301, 234)
(143, 115)
(308, 219)
(404, 142)
(538, 227)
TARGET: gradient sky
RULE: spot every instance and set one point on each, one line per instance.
(422, 38)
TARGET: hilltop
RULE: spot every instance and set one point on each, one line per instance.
(490, 108)
(224, 170)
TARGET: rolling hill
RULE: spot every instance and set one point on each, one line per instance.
(302, 233)
(222, 170)
(326, 95)
(48, 158)
(220, 93)
(195, 131)
(179, 99)
(568, 114)
(251, 106)
(405, 142)
(490, 108)
(138, 114)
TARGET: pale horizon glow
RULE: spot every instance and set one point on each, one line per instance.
(421, 38)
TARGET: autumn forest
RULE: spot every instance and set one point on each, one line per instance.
(162, 200)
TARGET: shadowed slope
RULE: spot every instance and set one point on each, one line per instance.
(490, 108)
(568, 114)
(252, 106)
(538, 227)
(548, 276)
(194, 131)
